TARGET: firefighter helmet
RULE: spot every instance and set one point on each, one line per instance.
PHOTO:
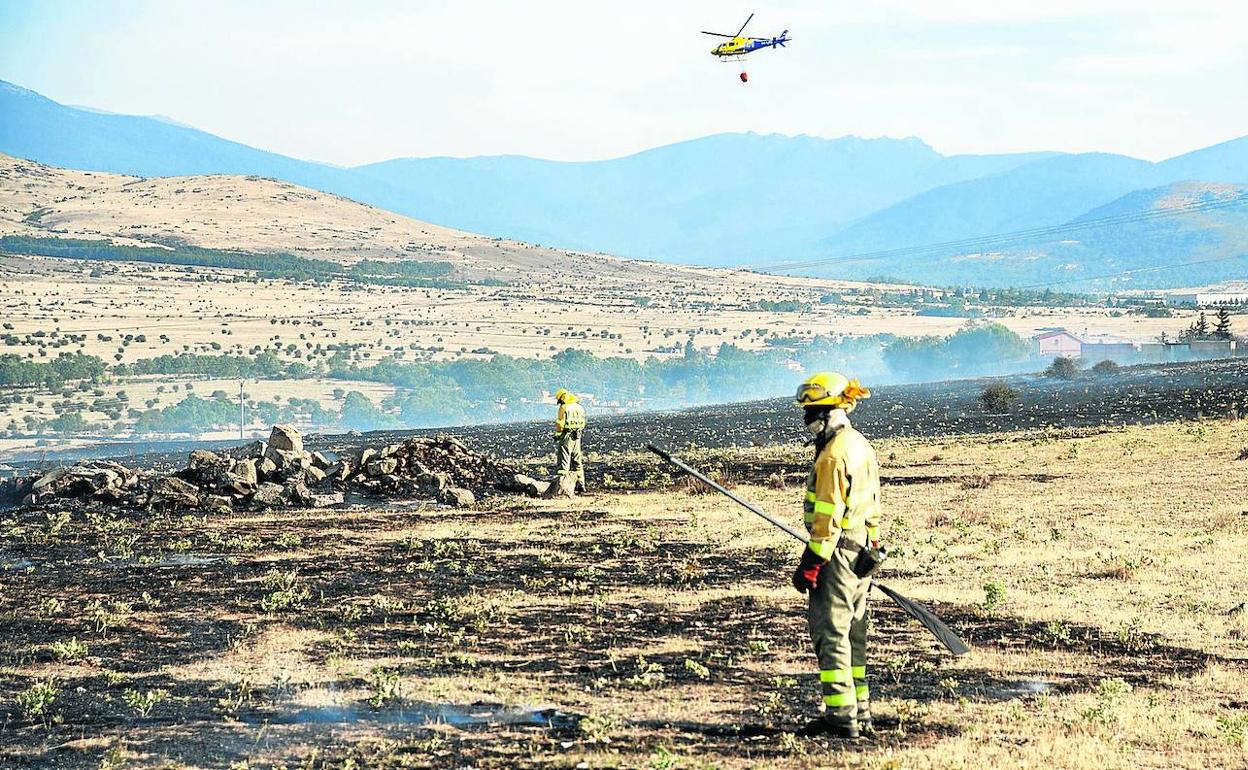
(831, 389)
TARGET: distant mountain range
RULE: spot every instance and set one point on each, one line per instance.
(734, 199)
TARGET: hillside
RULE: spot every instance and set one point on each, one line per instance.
(1043, 193)
(264, 215)
(1156, 240)
(731, 199)
(720, 200)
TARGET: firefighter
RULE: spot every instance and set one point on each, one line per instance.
(568, 426)
(842, 515)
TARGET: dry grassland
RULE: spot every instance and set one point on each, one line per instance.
(1098, 574)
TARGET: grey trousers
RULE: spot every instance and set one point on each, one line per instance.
(838, 619)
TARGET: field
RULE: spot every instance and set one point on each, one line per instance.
(1097, 573)
(500, 297)
(1135, 395)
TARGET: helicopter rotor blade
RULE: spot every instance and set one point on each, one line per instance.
(743, 26)
(716, 34)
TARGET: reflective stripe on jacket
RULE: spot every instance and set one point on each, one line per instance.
(842, 491)
(571, 417)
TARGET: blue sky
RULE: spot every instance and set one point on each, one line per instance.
(363, 81)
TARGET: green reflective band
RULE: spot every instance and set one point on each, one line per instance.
(863, 692)
(840, 699)
(873, 533)
(810, 496)
(824, 549)
(860, 672)
(829, 509)
(835, 675)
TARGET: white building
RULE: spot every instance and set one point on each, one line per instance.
(1207, 298)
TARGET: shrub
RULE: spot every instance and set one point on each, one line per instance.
(1063, 368)
(1106, 367)
(994, 595)
(36, 701)
(998, 397)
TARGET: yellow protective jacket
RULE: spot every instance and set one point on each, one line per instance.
(571, 417)
(842, 491)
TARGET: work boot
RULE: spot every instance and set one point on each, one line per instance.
(865, 725)
(845, 728)
(580, 488)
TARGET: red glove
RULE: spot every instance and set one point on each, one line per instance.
(806, 576)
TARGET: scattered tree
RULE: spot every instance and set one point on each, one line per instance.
(1063, 368)
(998, 397)
(1222, 328)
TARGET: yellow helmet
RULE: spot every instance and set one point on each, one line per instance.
(830, 389)
(560, 395)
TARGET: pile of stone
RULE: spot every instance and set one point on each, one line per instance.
(102, 480)
(440, 468)
(280, 472)
(264, 475)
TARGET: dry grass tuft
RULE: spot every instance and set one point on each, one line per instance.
(692, 486)
(1124, 568)
(977, 481)
(778, 481)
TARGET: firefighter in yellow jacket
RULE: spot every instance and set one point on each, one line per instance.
(568, 426)
(842, 515)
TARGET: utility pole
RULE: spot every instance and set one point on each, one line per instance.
(241, 410)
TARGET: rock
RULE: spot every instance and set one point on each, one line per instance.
(382, 467)
(562, 486)
(339, 472)
(286, 438)
(390, 450)
(526, 485)
(457, 497)
(267, 495)
(173, 491)
(434, 480)
(48, 480)
(203, 459)
(296, 492)
(217, 504)
(254, 451)
(235, 485)
(320, 461)
(367, 454)
(274, 454)
(313, 474)
(245, 470)
(446, 438)
(327, 499)
(266, 468)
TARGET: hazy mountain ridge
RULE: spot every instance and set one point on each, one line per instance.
(1142, 249)
(726, 199)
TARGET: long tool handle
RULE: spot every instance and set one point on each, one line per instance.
(797, 534)
(935, 625)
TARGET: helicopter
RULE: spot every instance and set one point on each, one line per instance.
(738, 46)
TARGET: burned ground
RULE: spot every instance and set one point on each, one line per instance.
(647, 628)
(1137, 395)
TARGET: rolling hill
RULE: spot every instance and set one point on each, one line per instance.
(730, 199)
(265, 216)
(1177, 234)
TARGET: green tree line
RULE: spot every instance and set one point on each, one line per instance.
(267, 265)
(506, 387)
